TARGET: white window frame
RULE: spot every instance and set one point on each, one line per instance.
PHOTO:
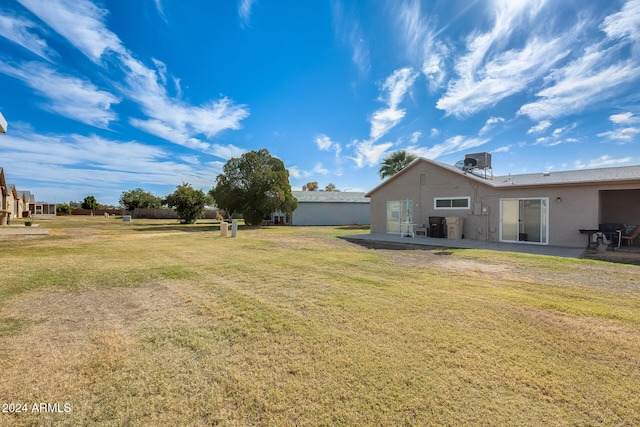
(439, 208)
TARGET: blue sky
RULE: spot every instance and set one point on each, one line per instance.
(106, 96)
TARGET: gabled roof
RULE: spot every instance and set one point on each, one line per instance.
(3, 183)
(13, 190)
(28, 197)
(329, 197)
(576, 177)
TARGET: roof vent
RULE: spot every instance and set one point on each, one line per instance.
(546, 173)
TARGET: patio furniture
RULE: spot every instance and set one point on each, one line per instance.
(590, 239)
(630, 234)
(613, 231)
(408, 229)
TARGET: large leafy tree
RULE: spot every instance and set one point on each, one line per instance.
(394, 163)
(255, 184)
(90, 202)
(189, 203)
(138, 198)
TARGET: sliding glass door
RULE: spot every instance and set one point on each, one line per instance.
(399, 212)
(524, 220)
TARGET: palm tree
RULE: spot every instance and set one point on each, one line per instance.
(394, 163)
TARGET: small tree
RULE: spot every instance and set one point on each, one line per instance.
(310, 186)
(90, 202)
(255, 184)
(394, 163)
(331, 187)
(64, 209)
(138, 198)
(189, 203)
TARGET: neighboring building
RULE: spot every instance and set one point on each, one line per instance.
(20, 204)
(326, 208)
(545, 208)
(6, 198)
(42, 209)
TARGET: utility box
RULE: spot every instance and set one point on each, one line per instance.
(224, 229)
(454, 227)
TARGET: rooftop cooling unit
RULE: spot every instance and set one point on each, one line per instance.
(478, 160)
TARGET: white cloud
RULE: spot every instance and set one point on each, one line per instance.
(394, 89)
(324, 142)
(367, 153)
(348, 30)
(80, 22)
(487, 75)
(160, 9)
(418, 35)
(600, 162)
(18, 30)
(452, 145)
(77, 160)
(434, 132)
(621, 135)
(66, 95)
(225, 151)
(600, 74)
(581, 83)
(415, 136)
(624, 24)
(622, 118)
(483, 85)
(319, 169)
(490, 124)
(296, 173)
(171, 118)
(540, 127)
(244, 12)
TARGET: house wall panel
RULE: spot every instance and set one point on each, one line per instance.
(325, 213)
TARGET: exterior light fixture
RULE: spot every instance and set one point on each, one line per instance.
(558, 199)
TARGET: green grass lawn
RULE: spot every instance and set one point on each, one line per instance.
(157, 323)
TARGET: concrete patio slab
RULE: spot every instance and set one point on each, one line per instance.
(527, 248)
(23, 231)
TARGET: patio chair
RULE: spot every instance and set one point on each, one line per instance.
(631, 234)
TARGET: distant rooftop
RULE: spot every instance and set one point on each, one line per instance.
(620, 173)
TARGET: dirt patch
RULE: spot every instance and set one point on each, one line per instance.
(63, 319)
(65, 338)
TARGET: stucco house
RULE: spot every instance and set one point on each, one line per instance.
(546, 208)
(19, 204)
(6, 198)
(326, 208)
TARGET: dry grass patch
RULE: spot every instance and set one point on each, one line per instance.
(152, 325)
